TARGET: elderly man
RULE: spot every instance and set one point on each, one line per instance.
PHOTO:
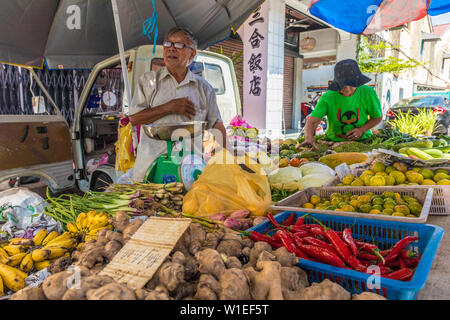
(172, 94)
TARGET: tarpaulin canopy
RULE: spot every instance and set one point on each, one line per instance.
(371, 16)
(81, 33)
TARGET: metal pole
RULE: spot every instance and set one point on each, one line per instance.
(121, 50)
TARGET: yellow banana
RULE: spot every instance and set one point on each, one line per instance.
(72, 227)
(12, 278)
(99, 224)
(2, 290)
(80, 246)
(16, 259)
(93, 232)
(13, 249)
(27, 263)
(39, 255)
(3, 256)
(39, 237)
(90, 216)
(56, 252)
(80, 220)
(52, 235)
(21, 242)
(64, 236)
(68, 244)
(42, 264)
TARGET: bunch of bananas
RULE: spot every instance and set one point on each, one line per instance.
(87, 225)
(21, 256)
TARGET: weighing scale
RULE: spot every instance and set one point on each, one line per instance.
(176, 166)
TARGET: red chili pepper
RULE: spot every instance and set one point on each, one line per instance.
(273, 221)
(399, 247)
(303, 233)
(256, 236)
(382, 269)
(300, 221)
(317, 230)
(408, 254)
(341, 248)
(403, 274)
(289, 244)
(409, 262)
(384, 253)
(348, 239)
(322, 254)
(366, 262)
(402, 263)
(370, 248)
(290, 220)
(319, 243)
(367, 256)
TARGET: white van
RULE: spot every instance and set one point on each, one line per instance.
(39, 145)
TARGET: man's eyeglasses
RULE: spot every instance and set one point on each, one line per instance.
(177, 45)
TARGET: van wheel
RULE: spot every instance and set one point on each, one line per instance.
(101, 182)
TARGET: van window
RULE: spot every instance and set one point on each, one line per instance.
(214, 75)
(211, 72)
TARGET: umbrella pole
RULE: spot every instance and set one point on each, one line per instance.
(121, 50)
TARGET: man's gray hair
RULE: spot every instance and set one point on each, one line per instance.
(185, 32)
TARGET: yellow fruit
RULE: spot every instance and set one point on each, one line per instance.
(52, 235)
(413, 176)
(413, 184)
(400, 166)
(340, 185)
(426, 173)
(416, 169)
(398, 176)
(42, 264)
(368, 172)
(374, 211)
(378, 167)
(16, 259)
(72, 227)
(377, 181)
(402, 208)
(27, 263)
(388, 194)
(377, 200)
(314, 199)
(2, 289)
(365, 208)
(382, 173)
(389, 204)
(308, 205)
(389, 169)
(348, 208)
(390, 181)
(415, 208)
(357, 183)
(67, 244)
(440, 175)
(80, 220)
(3, 256)
(13, 250)
(283, 163)
(39, 237)
(21, 242)
(411, 216)
(364, 199)
(398, 214)
(428, 182)
(444, 182)
(366, 179)
(387, 211)
(13, 278)
(355, 203)
(440, 171)
(348, 179)
(397, 196)
(335, 201)
(64, 236)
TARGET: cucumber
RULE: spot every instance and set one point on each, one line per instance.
(434, 153)
(419, 154)
(426, 144)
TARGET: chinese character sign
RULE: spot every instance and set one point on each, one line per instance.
(254, 35)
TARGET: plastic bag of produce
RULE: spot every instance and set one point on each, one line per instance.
(227, 184)
(125, 158)
(285, 175)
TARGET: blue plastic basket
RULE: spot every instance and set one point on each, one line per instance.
(385, 234)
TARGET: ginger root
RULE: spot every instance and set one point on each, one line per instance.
(111, 291)
(265, 284)
(29, 293)
(234, 284)
(211, 262)
(367, 296)
(208, 288)
(326, 290)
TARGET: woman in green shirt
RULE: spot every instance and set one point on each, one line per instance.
(352, 108)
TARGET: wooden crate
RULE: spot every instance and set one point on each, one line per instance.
(297, 200)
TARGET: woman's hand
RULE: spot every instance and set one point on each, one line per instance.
(309, 142)
(354, 134)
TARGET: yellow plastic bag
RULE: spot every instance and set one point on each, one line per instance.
(124, 158)
(227, 184)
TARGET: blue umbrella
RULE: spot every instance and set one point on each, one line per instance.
(371, 16)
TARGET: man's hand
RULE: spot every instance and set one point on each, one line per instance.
(354, 134)
(182, 106)
(309, 142)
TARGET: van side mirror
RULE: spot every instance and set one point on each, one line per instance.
(38, 104)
